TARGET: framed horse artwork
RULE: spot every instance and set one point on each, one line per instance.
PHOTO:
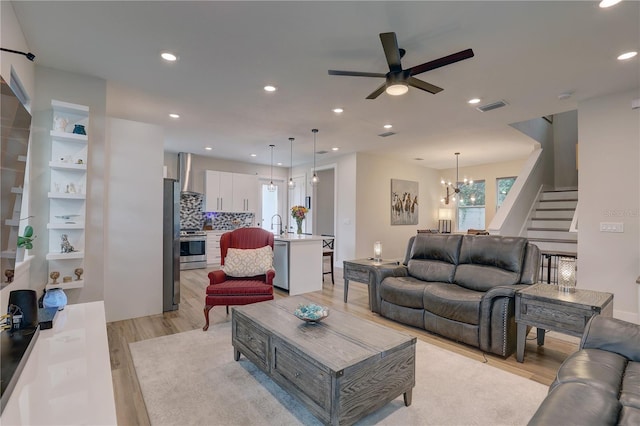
(404, 202)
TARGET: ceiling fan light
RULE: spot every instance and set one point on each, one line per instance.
(397, 89)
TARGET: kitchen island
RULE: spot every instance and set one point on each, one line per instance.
(297, 260)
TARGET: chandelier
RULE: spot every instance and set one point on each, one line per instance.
(453, 191)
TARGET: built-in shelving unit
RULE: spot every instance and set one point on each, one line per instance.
(67, 194)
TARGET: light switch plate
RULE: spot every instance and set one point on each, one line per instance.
(611, 227)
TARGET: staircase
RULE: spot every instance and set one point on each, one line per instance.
(549, 228)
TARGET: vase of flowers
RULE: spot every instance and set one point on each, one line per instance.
(299, 213)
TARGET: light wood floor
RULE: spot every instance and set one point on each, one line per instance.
(541, 363)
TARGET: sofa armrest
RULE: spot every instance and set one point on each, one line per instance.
(216, 277)
(379, 274)
(613, 335)
(490, 302)
(270, 275)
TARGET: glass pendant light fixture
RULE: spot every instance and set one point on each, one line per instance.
(272, 186)
(314, 179)
(291, 184)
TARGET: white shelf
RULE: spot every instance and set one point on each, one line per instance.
(69, 137)
(16, 190)
(57, 165)
(22, 158)
(12, 222)
(65, 256)
(66, 286)
(69, 108)
(67, 196)
(65, 225)
(8, 254)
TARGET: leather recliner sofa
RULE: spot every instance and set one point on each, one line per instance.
(600, 383)
(459, 286)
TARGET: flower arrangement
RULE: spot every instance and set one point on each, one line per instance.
(299, 213)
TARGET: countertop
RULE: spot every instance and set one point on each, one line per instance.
(292, 238)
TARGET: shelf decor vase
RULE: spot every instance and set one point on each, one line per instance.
(55, 298)
(299, 223)
(78, 129)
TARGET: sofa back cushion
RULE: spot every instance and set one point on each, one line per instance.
(433, 257)
(487, 261)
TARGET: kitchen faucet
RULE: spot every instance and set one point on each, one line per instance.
(278, 224)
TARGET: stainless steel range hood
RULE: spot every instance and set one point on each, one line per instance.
(185, 174)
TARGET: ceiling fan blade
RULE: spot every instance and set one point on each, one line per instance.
(437, 63)
(378, 91)
(357, 73)
(391, 51)
(427, 87)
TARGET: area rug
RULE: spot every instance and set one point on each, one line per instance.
(191, 378)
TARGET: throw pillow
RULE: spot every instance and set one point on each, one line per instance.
(248, 262)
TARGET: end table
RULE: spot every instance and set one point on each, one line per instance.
(545, 307)
(361, 270)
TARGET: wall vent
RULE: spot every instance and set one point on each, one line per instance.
(489, 107)
(386, 134)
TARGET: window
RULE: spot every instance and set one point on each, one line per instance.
(471, 206)
(503, 186)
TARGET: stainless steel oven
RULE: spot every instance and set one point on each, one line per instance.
(193, 246)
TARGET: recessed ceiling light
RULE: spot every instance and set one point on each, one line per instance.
(627, 55)
(270, 88)
(253, 155)
(279, 164)
(168, 56)
(474, 101)
(609, 3)
(208, 148)
(335, 148)
(174, 115)
(338, 110)
(387, 126)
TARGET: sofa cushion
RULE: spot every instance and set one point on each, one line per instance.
(577, 404)
(630, 392)
(597, 368)
(488, 261)
(402, 291)
(453, 302)
(434, 257)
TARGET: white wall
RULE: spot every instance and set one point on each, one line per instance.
(133, 245)
(373, 204)
(609, 191)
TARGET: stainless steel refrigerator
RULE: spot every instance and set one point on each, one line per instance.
(171, 246)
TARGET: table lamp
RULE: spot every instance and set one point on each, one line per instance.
(444, 221)
(377, 251)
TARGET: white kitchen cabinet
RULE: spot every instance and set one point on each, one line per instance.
(245, 193)
(67, 194)
(218, 188)
(213, 247)
(231, 192)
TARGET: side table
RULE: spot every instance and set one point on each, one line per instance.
(545, 307)
(361, 270)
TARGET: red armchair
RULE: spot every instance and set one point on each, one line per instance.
(226, 290)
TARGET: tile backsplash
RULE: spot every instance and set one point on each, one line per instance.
(191, 210)
(226, 221)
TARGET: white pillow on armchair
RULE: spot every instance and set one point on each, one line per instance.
(248, 262)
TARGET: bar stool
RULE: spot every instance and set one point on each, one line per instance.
(327, 251)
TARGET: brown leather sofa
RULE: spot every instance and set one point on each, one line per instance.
(459, 286)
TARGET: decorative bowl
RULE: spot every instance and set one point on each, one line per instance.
(311, 312)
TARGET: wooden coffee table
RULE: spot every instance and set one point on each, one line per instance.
(545, 307)
(341, 368)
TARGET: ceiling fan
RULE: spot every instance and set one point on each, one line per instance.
(398, 79)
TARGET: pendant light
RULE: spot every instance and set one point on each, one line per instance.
(291, 184)
(314, 179)
(271, 187)
(453, 190)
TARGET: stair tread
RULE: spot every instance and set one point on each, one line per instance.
(552, 240)
(548, 229)
(559, 252)
(566, 219)
(566, 209)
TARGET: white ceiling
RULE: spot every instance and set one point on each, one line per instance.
(526, 53)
